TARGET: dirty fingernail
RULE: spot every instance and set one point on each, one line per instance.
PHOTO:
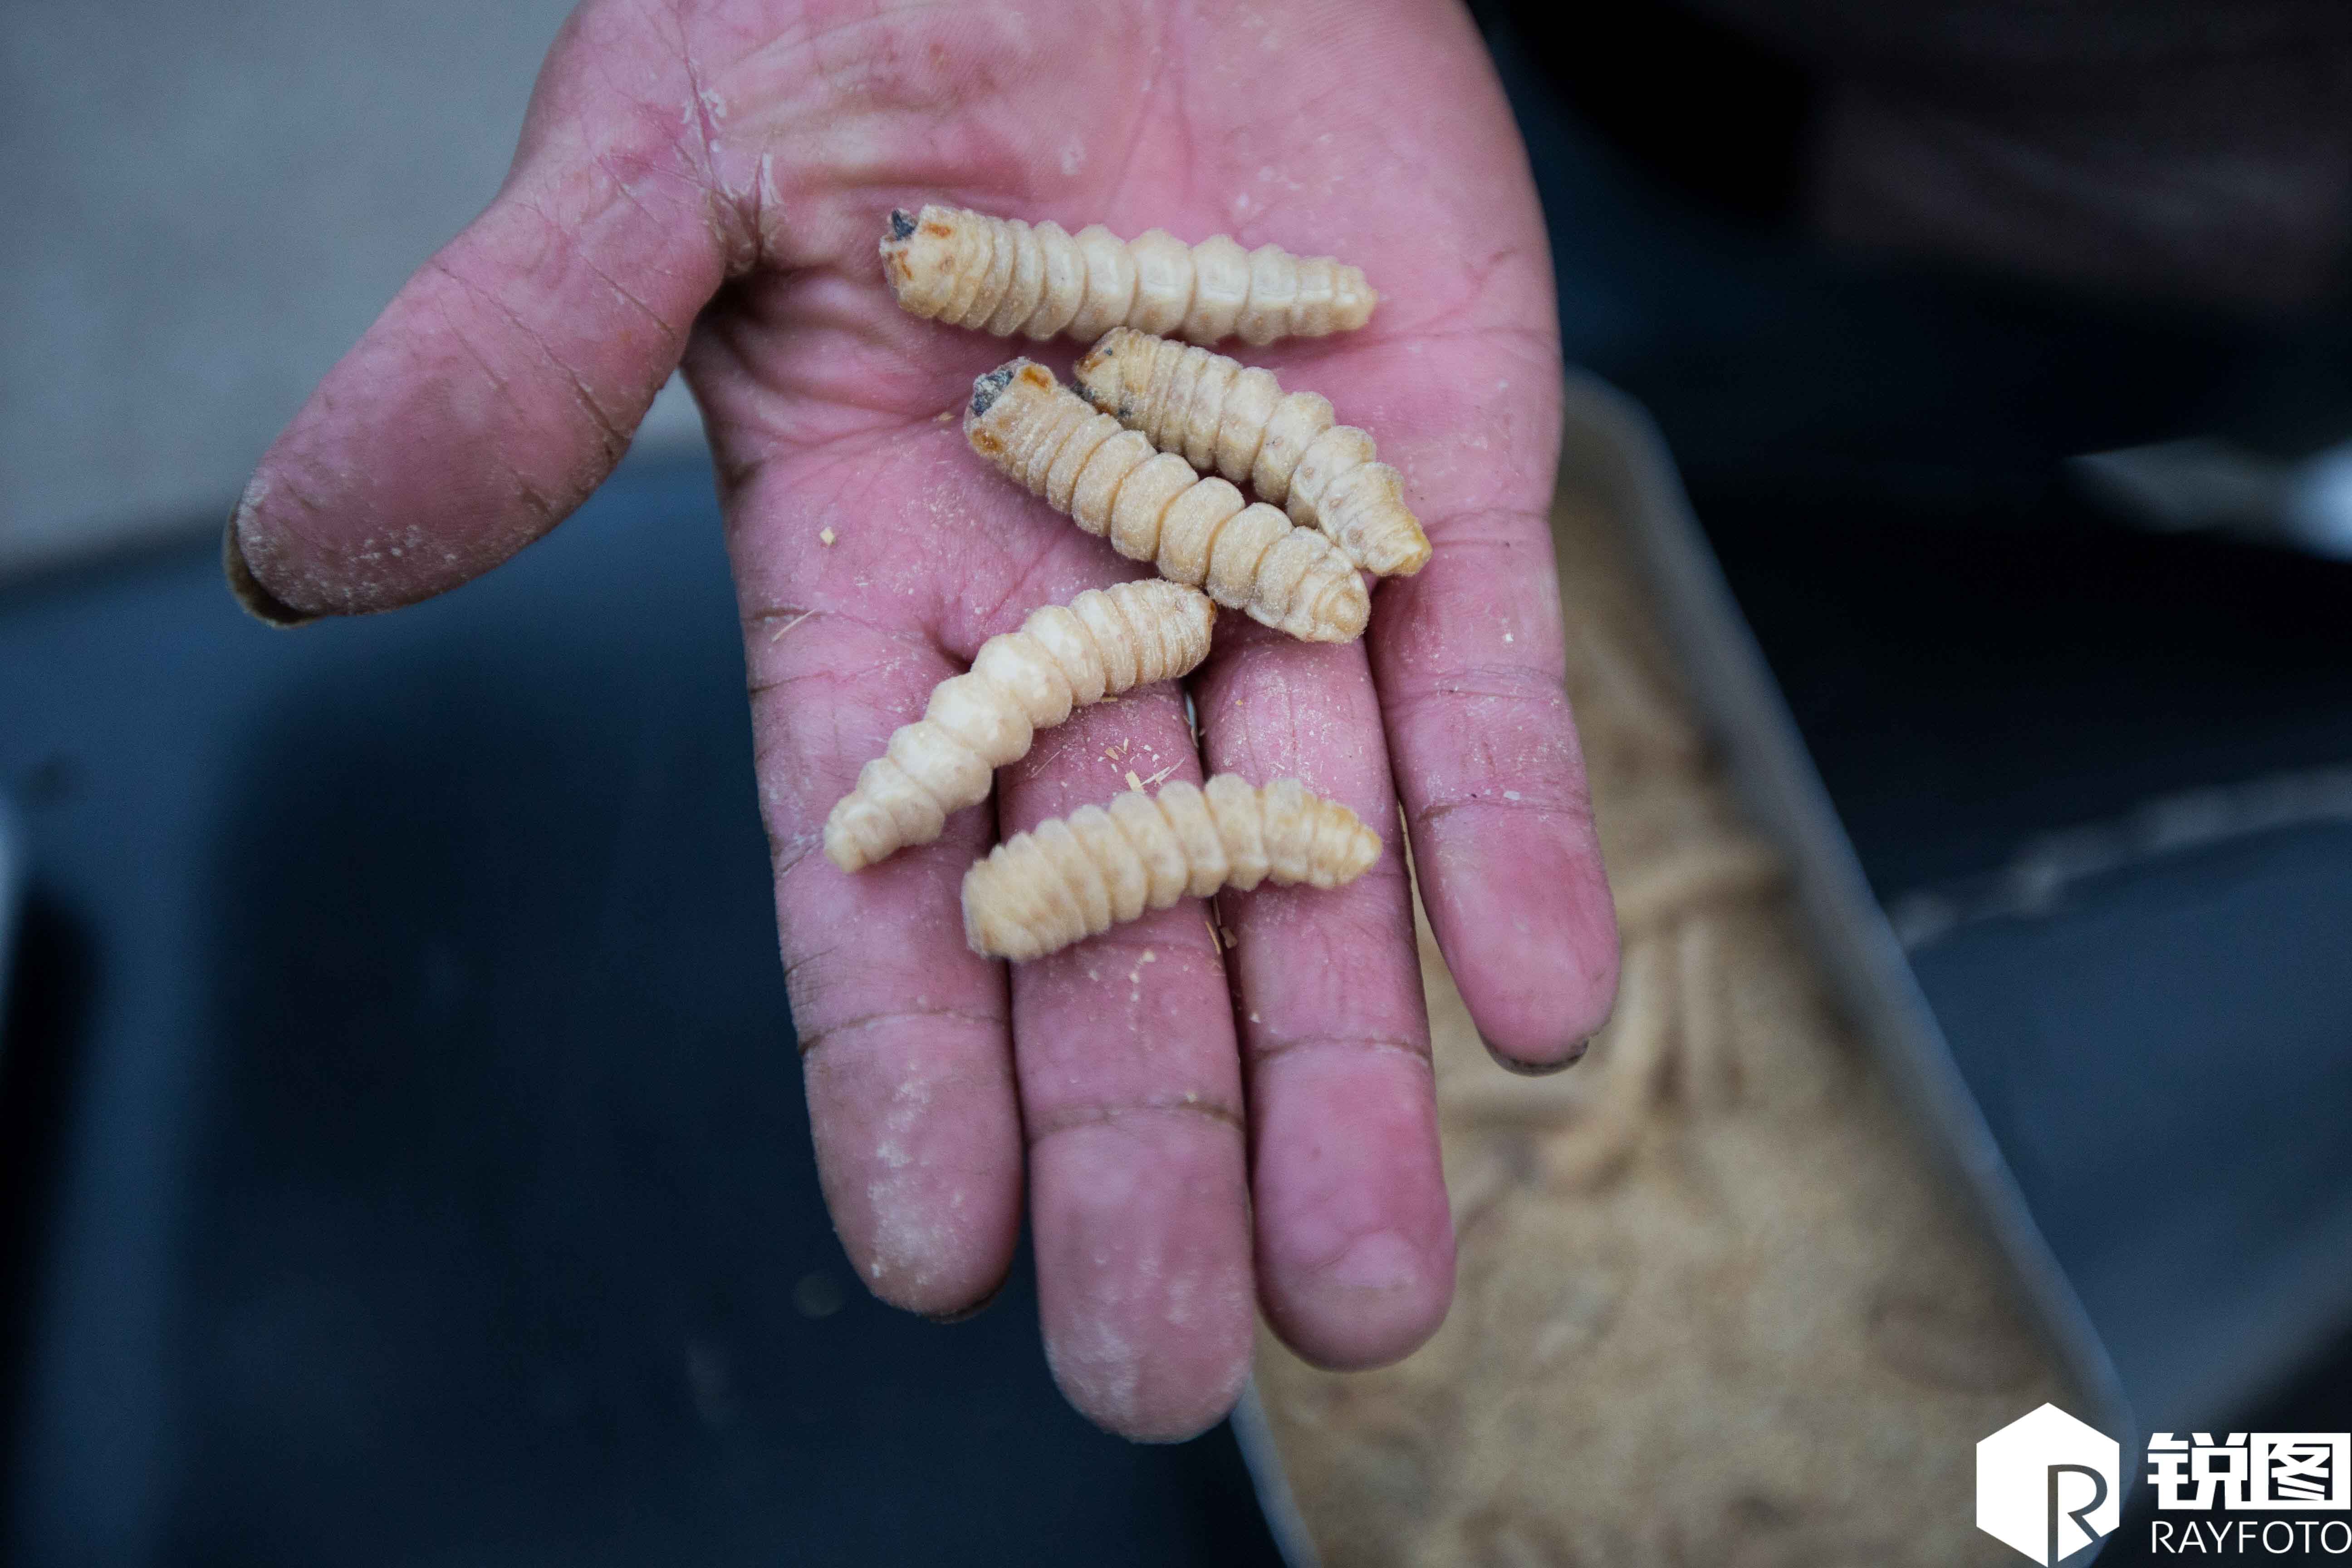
(255, 600)
(959, 1314)
(1535, 1069)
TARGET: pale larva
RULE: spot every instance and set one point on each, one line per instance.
(1288, 446)
(1004, 276)
(1154, 507)
(1076, 877)
(1105, 642)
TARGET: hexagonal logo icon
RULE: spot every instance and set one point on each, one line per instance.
(2047, 1485)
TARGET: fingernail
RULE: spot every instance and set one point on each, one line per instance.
(1535, 1069)
(974, 1311)
(255, 600)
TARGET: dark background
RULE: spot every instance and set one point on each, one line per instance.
(401, 1148)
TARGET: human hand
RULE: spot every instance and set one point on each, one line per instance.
(706, 181)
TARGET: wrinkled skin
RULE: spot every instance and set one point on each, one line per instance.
(706, 181)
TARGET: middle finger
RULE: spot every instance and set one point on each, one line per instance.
(1130, 1092)
(1355, 1247)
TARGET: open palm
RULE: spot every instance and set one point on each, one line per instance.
(1209, 1117)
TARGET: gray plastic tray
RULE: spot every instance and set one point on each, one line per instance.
(1612, 451)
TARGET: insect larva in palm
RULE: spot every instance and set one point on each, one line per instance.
(1076, 877)
(1288, 446)
(1004, 276)
(1105, 642)
(1153, 507)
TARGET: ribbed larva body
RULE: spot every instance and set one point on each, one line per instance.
(1216, 412)
(1154, 507)
(1076, 877)
(1005, 276)
(1103, 642)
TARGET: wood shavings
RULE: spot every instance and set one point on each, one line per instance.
(1710, 1262)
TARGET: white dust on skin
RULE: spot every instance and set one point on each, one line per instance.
(1134, 1305)
(1308, 714)
(1277, 192)
(947, 524)
(1099, 1366)
(798, 785)
(1126, 762)
(915, 549)
(907, 1106)
(257, 492)
(372, 573)
(914, 1227)
(1270, 40)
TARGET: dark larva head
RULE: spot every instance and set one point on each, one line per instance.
(1101, 372)
(986, 389)
(902, 224)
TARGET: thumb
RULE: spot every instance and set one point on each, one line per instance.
(508, 376)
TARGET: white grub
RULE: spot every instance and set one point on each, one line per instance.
(1153, 507)
(1004, 276)
(1105, 642)
(1214, 411)
(1076, 877)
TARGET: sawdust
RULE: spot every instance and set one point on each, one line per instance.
(1712, 1305)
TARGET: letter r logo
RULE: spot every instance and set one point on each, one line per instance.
(2046, 1485)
